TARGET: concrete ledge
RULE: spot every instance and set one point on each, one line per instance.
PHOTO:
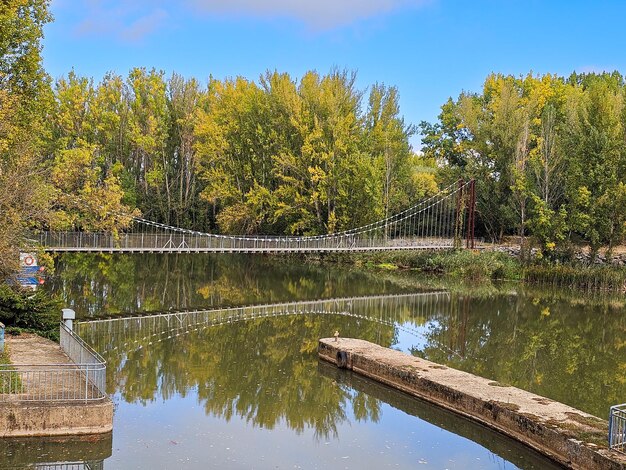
(565, 434)
(22, 419)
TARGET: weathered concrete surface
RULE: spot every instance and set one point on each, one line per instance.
(565, 434)
(29, 348)
(48, 418)
(21, 419)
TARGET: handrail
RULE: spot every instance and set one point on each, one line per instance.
(82, 379)
(617, 428)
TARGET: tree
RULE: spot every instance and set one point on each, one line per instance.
(596, 160)
(388, 143)
(23, 99)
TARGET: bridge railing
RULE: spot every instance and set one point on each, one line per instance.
(82, 380)
(84, 241)
(85, 465)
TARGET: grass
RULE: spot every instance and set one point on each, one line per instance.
(483, 266)
(9, 381)
(590, 278)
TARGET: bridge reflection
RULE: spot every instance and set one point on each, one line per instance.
(136, 332)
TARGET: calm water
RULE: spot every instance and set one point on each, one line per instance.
(252, 394)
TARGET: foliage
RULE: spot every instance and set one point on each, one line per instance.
(462, 264)
(24, 94)
(31, 311)
(548, 154)
(277, 156)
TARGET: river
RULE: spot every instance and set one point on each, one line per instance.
(252, 394)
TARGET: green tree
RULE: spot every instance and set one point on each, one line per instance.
(596, 159)
(24, 97)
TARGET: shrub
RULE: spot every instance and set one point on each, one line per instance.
(27, 310)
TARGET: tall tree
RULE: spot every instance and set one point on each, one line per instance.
(24, 97)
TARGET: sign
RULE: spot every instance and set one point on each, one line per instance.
(31, 274)
(29, 261)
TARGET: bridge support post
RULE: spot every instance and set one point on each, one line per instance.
(471, 210)
(458, 222)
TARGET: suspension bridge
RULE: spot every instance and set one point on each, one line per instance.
(445, 220)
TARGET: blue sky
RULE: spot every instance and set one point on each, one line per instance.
(429, 49)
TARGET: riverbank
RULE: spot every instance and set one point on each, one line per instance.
(565, 434)
(491, 264)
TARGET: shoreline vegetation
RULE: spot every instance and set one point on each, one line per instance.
(486, 266)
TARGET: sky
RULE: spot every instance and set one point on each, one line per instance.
(429, 49)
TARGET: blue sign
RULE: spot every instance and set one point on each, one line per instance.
(28, 281)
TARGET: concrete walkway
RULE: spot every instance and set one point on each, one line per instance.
(46, 372)
(44, 393)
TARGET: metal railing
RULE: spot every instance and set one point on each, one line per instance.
(181, 242)
(617, 428)
(82, 380)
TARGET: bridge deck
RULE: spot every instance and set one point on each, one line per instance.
(52, 249)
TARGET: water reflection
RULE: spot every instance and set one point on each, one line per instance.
(264, 372)
(260, 373)
(575, 355)
(568, 351)
(56, 453)
(93, 284)
(503, 448)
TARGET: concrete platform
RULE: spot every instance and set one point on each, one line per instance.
(567, 435)
(22, 416)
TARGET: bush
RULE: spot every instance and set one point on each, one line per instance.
(478, 266)
(29, 311)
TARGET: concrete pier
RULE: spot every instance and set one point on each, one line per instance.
(28, 418)
(567, 435)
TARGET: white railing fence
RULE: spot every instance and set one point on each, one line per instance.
(617, 428)
(82, 380)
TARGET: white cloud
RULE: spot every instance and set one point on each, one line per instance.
(128, 21)
(133, 20)
(144, 25)
(319, 14)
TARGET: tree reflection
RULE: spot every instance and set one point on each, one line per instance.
(552, 345)
(264, 371)
(562, 344)
(97, 284)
